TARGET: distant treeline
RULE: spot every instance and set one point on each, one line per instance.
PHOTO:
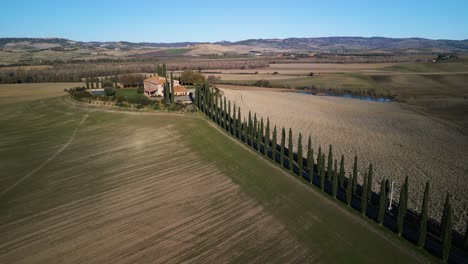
(76, 72)
(327, 173)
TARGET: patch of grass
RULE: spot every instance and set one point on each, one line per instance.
(129, 93)
(423, 67)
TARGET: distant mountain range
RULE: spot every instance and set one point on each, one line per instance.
(325, 44)
(27, 51)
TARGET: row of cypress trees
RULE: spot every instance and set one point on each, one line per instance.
(253, 133)
(161, 70)
(169, 90)
(94, 82)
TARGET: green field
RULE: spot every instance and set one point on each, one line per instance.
(129, 93)
(90, 186)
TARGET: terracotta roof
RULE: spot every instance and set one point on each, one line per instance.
(180, 89)
(156, 80)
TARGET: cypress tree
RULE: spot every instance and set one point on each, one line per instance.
(158, 70)
(87, 83)
(369, 183)
(267, 137)
(225, 117)
(290, 151)
(319, 162)
(335, 180)
(229, 128)
(300, 159)
(259, 135)
(164, 71)
(239, 128)
(349, 191)
(402, 206)
(330, 162)
(250, 122)
(364, 195)
(222, 109)
(234, 121)
(423, 218)
(273, 146)
(322, 172)
(447, 232)
(342, 171)
(445, 213)
(382, 202)
(172, 89)
(254, 131)
(355, 174)
(310, 160)
(283, 141)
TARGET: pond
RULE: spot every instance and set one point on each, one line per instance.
(98, 92)
(354, 96)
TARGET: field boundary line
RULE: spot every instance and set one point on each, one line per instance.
(357, 219)
(83, 119)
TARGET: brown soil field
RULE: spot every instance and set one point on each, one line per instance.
(147, 199)
(14, 93)
(398, 141)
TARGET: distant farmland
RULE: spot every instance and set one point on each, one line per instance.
(91, 186)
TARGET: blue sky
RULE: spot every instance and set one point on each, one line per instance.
(172, 21)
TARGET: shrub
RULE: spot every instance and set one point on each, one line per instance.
(140, 90)
(107, 83)
(81, 94)
(109, 91)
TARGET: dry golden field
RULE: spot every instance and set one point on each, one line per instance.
(398, 141)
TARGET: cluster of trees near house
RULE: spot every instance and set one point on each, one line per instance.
(322, 170)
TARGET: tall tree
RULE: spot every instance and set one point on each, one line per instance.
(342, 170)
(402, 207)
(87, 82)
(322, 172)
(355, 174)
(423, 218)
(310, 159)
(369, 183)
(364, 195)
(382, 203)
(267, 137)
(283, 142)
(255, 127)
(300, 159)
(330, 162)
(225, 115)
(234, 121)
(319, 161)
(447, 231)
(172, 89)
(335, 179)
(273, 146)
(445, 213)
(290, 151)
(349, 191)
(260, 135)
(229, 129)
(158, 70)
(164, 71)
(239, 135)
(250, 123)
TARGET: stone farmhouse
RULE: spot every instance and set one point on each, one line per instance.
(154, 86)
